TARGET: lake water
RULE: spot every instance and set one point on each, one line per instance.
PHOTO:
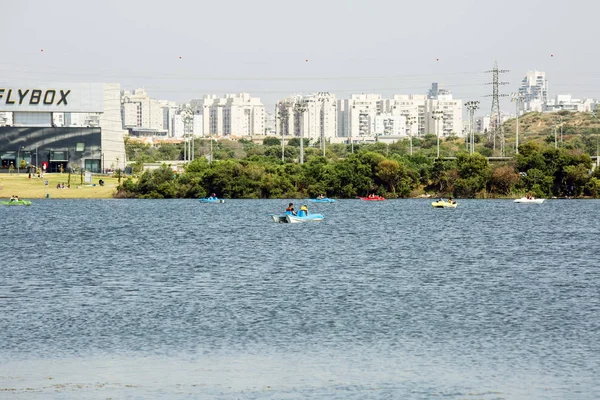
(174, 299)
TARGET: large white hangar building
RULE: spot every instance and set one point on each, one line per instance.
(61, 124)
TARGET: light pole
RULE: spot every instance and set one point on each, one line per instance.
(410, 121)
(437, 115)
(559, 120)
(472, 106)
(597, 142)
(283, 115)
(322, 100)
(299, 109)
(18, 159)
(517, 98)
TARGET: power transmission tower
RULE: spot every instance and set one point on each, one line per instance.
(495, 117)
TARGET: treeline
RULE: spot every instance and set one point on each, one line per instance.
(541, 171)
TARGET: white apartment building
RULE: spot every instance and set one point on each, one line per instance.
(232, 115)
(319, 119)
(270, 128)
(180, 126)
(534, 89)
(413, 108)
(356, 115)
(141, 111)
(450, 122)
(387, 124)
(177, 126)
(169, 110)
(482, 124)
(567, 102)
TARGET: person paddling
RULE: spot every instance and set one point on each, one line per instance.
(303, 211)
(290, 209)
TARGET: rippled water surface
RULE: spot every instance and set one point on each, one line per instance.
(175, 299)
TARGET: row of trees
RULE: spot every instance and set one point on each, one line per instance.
(542, 171)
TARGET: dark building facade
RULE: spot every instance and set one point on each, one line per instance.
(51, 147)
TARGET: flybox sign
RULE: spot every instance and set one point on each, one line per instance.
(55, 97)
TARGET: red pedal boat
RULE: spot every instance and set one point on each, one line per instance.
(372, 198)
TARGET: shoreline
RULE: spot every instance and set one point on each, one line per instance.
(35, 189)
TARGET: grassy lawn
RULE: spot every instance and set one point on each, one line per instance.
(34, 188)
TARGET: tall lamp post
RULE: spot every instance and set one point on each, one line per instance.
(283, 115)
(410, 121)
(18, 159)
(322, 100)
(597, 142)
(518, 99)
(560, 121)
(472, 106)
(299, 110)
(437, 115)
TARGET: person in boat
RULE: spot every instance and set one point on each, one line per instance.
(450, 200)
(12, 198)
(213, 197)
(290, 209)
(303, 211)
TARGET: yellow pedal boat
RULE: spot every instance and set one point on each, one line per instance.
(444, 204)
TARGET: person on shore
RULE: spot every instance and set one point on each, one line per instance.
(290, 209)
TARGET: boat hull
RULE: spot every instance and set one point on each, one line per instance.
(17, 203)
(212, 201)
(443, 204)
(294, 219)
(372, 198)
(325, 200)
(525, 200)
(279, 218)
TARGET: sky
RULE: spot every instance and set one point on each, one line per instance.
(271, 49)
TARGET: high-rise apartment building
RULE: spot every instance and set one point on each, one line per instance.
(387, 124)
(413, 108)
(534, 89)
(450, 113)
(139, 111)
(318, 119)
(231, 115)
(356, 115)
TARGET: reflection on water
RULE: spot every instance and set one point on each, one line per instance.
(177, 299)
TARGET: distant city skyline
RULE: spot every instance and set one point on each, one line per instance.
(380, 47)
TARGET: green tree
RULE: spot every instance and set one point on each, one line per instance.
(503, 179)
(271, 141)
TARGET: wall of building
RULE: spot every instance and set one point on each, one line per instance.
(71, 147)
(113, 145)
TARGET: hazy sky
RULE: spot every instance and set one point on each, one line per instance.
(182, 50)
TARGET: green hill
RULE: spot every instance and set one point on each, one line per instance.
(579, 130)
